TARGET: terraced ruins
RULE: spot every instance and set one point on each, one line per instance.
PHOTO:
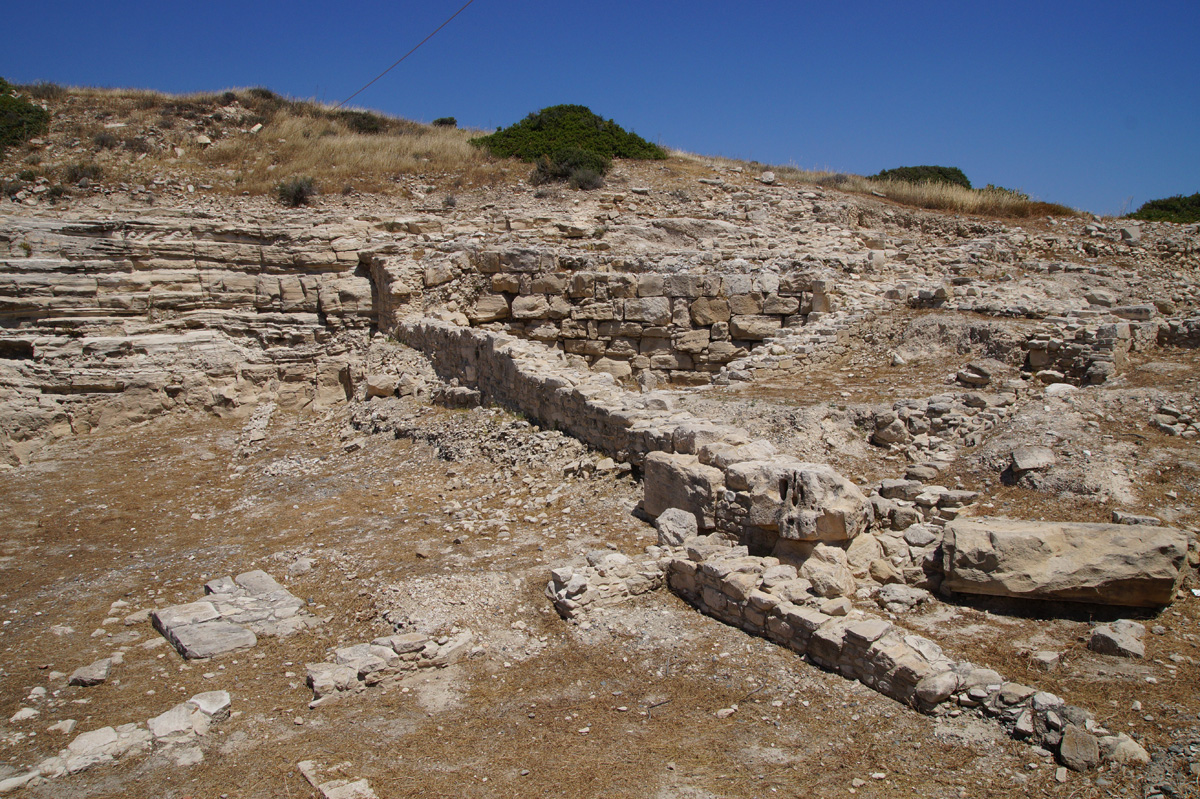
(928, 480)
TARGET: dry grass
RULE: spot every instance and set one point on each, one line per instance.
(139, 136)
(935, 196)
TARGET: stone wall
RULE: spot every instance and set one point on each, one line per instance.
(758, 595)
(683, 325)
(733, 484)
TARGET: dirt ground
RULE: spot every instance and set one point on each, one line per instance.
(622, 704)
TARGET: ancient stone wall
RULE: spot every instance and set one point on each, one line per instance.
(684, 325)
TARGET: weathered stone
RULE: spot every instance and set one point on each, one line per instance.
(489, 308)
(1079, 750)
(681, 481)
(209, 639)
(1108, 564)
(829, 572)
(92, 674)
(754, 327)
(675, 526)
(1122, 638)
(1027, 459)
(821, 505)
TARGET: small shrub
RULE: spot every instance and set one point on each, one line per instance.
(449, 201)
(260, 93)
(44, 90)
(926, 174)
(586, 179)
(364, 122)
(1014, 193)
(10, 187)
(27, 175)
(296, 192)
(1180, 209)
(445, 122)
(136, 144)
(20, 121)
(229, 98)
(105, 140)
(78, 172)
(837, 179)
(57, 192)
(564, 163)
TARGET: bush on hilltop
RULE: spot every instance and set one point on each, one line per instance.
(926, 174)
(1183, 210)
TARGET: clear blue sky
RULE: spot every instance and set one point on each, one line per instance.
(1085, 103)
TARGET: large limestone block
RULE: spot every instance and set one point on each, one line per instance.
(1110, 564)
(651, 310)
(489, 308)
(753, 327)
(681, 481)
(820, 505)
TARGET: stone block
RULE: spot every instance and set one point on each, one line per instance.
(1110, 564)
(754, 327)
(681, 481)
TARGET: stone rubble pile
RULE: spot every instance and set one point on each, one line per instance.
(934, 428)
(354, 668)
(178, 730)
(606, 578)
(235, 612)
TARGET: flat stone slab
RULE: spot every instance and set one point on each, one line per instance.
(237, 610)
(210, 639)
(1108, 564)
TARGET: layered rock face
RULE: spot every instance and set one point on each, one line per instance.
(1111, 564)
(111, 322)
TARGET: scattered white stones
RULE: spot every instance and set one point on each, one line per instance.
(361, 665)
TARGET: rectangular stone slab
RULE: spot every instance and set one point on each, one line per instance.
(209, 639)
(1108, 564)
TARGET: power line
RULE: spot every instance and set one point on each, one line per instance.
(406, 55)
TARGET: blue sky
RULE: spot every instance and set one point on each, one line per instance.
(1093, 104)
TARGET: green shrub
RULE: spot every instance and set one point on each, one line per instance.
(137, 144)
(27, 175)
(296, 192)
(563, 139)
(586, 179)
(1183, 210)
(228, 98)
(563, 163)
(926, 174)
(364, 122)
(445, 122)
(20, 120)
(80, 171)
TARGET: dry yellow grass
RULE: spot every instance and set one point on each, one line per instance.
(139, 137)
(144, 137)
(935, 196)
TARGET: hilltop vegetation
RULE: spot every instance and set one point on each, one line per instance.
(949, 175)
(1183, 210)
(20, 120)
(256, 142)
(568, 142)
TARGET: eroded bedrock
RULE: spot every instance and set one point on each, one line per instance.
(1110, 564)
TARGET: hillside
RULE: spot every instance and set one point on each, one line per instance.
(719, 480)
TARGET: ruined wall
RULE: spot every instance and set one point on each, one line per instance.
(682, 325)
